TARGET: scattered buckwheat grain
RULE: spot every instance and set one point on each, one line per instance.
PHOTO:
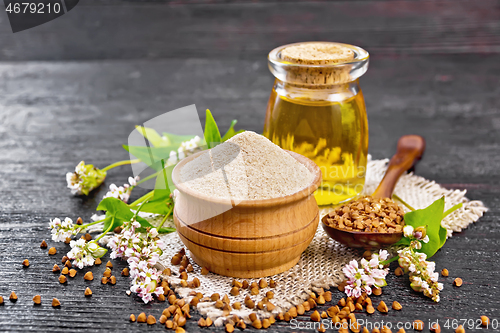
(151, 320)
(418, 325)
(141, 318)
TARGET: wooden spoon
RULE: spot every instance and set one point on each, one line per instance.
(410, 149)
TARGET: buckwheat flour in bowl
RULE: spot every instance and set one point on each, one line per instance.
(246, 167)
(246, 207)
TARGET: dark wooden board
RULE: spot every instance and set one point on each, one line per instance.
(132, 61)
(112, 29)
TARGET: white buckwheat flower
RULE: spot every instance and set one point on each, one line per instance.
(62, 229)
(79, 254)
(408, 231)
(362, 279)
(122, 192)
(142, 252)
(83, 253)
(422, 276)
(186, 149)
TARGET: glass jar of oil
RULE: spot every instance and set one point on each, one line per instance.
(317, 109)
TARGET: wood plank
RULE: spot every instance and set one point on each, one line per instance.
(156, 30)
(52, 115)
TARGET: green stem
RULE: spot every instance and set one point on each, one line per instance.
(166, 186)
(452, 209)
(165, 218)
(142, 181)
(403, 202)
(137, 211)
(148, 178)
(145, 197)
(85, 226)
(388, 261)
(109, 228)
(116, 164)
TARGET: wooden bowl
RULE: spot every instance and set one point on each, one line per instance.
(249, 238)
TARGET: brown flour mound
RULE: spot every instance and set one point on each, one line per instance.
(247, 166)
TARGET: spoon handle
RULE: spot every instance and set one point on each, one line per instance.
(410, 149)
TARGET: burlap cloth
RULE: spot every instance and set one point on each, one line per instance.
(321, 264)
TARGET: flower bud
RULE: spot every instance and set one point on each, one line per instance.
(416, 245)
(415, 287)
(408, 231)
(96, 250)
(420, 232)
(84, 179)
(416, 283)
(153, 232)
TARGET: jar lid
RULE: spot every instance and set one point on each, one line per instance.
(318, 63)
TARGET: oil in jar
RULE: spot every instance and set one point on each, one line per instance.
(334, 134)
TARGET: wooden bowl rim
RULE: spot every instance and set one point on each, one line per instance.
(306, 191)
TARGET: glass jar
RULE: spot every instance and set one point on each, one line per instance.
(317, 109)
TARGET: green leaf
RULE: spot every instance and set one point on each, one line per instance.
(108, 220)
(116, 208)
(430, 217)
(158, 204)
(442, 236)
(231, 132)
(145, 224)
(403, 241)
(166, 230)
(152, 136)
(212, 134)
(175, 139)
(152, 156)
(118, 212)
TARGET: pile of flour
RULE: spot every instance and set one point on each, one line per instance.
(247, 166)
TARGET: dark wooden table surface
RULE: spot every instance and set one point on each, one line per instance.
(73, 89)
